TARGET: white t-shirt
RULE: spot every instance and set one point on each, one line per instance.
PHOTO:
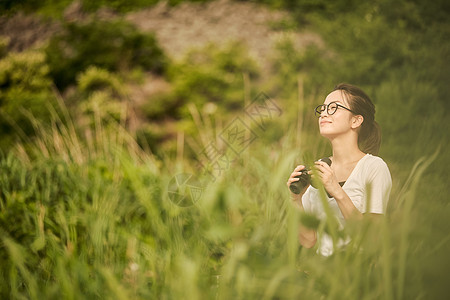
(368, 186)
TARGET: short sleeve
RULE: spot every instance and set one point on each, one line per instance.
(378, 187)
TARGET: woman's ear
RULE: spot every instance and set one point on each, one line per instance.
(357, 121)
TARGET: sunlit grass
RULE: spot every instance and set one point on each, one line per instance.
(87, 214)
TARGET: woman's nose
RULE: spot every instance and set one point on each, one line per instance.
(324, 113)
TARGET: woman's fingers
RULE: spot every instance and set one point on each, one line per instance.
(298, 168)
(325, 173)
(297, 172)
(293, 174)
(292, 178)
(323, 168)
(322, 165)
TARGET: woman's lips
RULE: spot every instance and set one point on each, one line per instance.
(324, 122)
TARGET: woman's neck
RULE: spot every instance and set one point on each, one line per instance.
(346, 150)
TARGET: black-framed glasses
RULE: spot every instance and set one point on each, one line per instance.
(331, 109)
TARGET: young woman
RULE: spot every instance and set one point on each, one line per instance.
(357, 182)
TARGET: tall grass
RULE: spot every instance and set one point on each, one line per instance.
(86, 214)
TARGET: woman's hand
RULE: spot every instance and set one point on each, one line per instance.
(328, 178)
(297, 172)
(331, 185)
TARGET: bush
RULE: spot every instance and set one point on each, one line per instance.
(25, 88)
(289, 63)
(118, 5)
(100, 97)
(208, 77)
(113, 46)
(205, 75)
(4, 42)
(94, 79)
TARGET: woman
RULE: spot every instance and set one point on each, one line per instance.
(357, 181)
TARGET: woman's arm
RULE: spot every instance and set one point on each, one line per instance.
(307, 237)
(345, 204)
(378, 186)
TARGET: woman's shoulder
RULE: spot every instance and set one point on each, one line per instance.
(375, 166)
(374, 161)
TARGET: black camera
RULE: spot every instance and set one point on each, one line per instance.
(297, 186)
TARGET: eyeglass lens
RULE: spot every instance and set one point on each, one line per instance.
(331, 109)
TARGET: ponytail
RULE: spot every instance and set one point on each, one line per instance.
(369, 136)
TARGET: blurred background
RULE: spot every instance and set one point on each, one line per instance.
(104, 103)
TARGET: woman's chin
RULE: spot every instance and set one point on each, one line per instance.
(327, 134)
(324, 132)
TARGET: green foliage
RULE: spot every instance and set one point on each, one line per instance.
(413, 14)
(63, 206)
(89, 216)
(114, 46)
(55, 8)
(290, 63)
(205, 75)
(94, 79)
(405, 106)
(117, 5)
(4, 42)
(209, 82)
(213, 75)
(83, 217)
(51, 8)
(25, 89)
(26, 72)
(102, 106)
(15, 5)
(102, 96)
(125, 6)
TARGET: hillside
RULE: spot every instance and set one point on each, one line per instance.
(189, 25)
(178, 28)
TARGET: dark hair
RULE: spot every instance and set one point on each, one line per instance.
(369, 136)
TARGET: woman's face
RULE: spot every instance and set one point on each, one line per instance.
(338, 123)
